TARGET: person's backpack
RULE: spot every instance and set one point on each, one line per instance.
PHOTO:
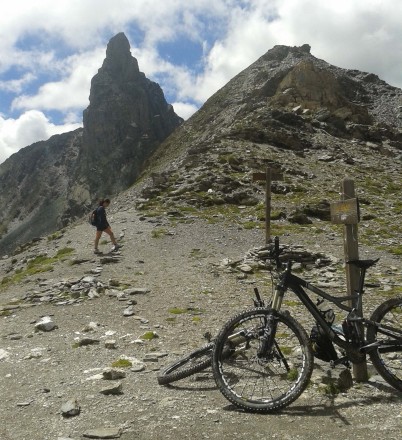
(93, 217)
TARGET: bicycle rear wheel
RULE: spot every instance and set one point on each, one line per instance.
(262, 383)
(196, 361)
(387, 358)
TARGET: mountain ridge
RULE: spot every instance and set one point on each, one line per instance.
(315, 122)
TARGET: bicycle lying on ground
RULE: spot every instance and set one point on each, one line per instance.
(271, 356)
(263, 359)
(196, 361)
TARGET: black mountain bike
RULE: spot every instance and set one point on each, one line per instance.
(263, 358)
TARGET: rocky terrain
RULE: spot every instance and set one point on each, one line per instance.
(83, 337)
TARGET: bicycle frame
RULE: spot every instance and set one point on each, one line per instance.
(299, 286)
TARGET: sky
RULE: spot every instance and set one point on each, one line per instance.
(50, 50)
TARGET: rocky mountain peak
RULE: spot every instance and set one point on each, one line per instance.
(292, 111)
(119, 61)
(127, 118)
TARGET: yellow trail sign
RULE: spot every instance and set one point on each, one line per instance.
(345, 212)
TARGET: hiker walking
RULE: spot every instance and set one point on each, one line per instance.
(102, 225)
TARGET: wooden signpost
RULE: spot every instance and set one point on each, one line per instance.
(346, 212)
(270, 175)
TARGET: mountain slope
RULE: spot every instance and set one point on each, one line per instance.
(51, 183)
(315, 122)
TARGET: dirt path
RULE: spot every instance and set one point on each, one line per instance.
(178, 266)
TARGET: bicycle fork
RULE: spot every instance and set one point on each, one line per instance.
(267, 340)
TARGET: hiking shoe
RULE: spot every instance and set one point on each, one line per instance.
(97, 251)
(115, 248)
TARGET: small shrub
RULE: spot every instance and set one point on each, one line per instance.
(331, 389)
(55, 236)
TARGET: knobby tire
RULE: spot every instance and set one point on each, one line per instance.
(387, 358)
(193, 363)
(256, 384)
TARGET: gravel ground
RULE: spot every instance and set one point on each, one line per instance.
(178, 265)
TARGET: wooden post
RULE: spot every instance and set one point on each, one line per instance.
(351, 249)
(268, 179)
(269, 175)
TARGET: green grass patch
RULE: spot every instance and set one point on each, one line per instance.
(396, 250)
(251, 225)
(293, 374)
(158, 232)
(291, 303)
(64, 251)
(39, 264)
(177, 311)
(189, 310)
(331, 389)
(148, 336)
(391, 293)
(55, 236)
(122, 363)
(286, 350)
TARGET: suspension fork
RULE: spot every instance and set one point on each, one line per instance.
(268, 338)
(281, 288)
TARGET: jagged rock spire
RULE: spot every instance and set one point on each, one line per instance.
(127, 118)
(119, 60)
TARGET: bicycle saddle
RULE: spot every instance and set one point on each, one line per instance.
(363, 264)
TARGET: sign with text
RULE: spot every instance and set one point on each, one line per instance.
(345, 212)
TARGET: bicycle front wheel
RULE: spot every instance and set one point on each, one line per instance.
(387, 357)
(256, 381)
(196, 361)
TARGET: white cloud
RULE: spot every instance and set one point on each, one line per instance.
(184, 109)
(71, 91)
(17, 85)
(32, 126)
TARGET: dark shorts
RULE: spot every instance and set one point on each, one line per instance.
(102, 228)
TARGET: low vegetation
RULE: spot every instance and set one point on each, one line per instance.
(39, 264)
